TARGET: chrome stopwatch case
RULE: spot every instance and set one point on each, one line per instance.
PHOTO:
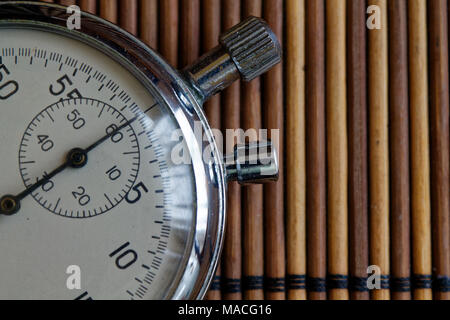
(113, 186)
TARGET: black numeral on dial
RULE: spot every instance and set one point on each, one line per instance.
(9, 88)
(81, 196)
(126, 257)
(45, 142)
(75, 118)
(114, 173)
(117, 137)
(61, 85)
(137, 193)
(48, 186)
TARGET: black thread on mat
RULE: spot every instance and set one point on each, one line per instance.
(253, 283)
(401, 284)
(385, 282)
(275, 284)
(441, 284)
(422, 281)
(215, 284)
(231, 285)
(358, 284)
(296, 282)
(337, 281)
(316, 284)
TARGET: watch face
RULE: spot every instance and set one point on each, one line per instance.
(115, 221)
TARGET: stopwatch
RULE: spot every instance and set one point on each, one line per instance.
(113, 185)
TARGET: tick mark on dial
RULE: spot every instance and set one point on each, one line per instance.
(130, 152)
(27, 162)
(100, 114)
(109, 200)
(154, 105)
(57, 204)
(49, 115)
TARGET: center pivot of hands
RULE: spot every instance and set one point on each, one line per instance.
(77, 158)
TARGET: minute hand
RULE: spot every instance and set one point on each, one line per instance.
(109, 135)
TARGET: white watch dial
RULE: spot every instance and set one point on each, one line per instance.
(116, 218)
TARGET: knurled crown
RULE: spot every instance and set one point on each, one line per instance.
(252, 46)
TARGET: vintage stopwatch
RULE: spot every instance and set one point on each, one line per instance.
(107, 191)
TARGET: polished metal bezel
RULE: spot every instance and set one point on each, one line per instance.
(203, 251)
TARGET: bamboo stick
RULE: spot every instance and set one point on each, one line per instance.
(211, 26)
(439, 129)
(253, 219)
(211, 22)
(337, 151)
(358, 155)
(316, 149)
(296, 157)
(168, 30)
(232, 256)
(399, 150)
(379, 150)
(190, 31)
(128, 16)
(274, 193)
(420, 154)
(214, 292)
(67, 2)
(108, 10)
(148, 26)
(89, 6)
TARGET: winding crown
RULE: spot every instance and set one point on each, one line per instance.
(252, 46)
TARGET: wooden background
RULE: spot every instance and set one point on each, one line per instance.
(364, 121)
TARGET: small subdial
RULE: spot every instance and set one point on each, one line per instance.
(111, 169)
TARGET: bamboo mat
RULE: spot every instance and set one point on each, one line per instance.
(364, 145)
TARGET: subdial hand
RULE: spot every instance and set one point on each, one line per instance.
(76, 158)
